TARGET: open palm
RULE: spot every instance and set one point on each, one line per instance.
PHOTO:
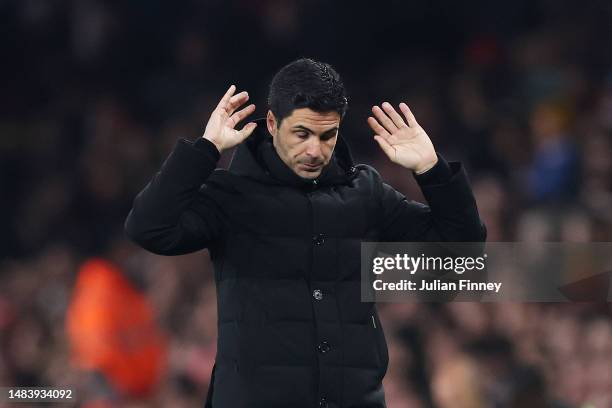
(404, 142)
(220, 128)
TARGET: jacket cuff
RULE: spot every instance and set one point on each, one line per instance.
(454, 196)
(190, 164)
(208, 147)
(439, 174)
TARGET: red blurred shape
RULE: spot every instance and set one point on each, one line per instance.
(111, 328)
(484, 50)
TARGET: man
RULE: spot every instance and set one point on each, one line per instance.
(284, 226)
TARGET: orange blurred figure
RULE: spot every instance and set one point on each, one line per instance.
(111, 328)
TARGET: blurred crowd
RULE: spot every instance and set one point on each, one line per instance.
(95, 94)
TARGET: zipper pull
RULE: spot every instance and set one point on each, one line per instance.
(373, 321)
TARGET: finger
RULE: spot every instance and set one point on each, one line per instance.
(385, 146)
(408, 114)
(384, 119)
(392, 113)
(241, 114)
(247, 130)
(236, 101)
(377, 128)
(228, 94)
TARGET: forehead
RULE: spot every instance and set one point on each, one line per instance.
(316, 121)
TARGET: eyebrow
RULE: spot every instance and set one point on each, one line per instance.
(302, 127)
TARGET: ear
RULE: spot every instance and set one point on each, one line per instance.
(271, 123)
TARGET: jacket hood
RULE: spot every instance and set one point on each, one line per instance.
(256, 158)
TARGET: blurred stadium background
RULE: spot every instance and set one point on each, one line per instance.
(94, 94)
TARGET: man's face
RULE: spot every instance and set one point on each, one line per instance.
(305, 140)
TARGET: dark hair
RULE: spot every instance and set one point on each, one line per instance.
(306, 83)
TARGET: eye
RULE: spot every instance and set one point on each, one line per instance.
(302, 134)
(328, 136)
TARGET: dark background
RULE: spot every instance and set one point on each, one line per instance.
(94, 94)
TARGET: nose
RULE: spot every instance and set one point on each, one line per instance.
(314, 148)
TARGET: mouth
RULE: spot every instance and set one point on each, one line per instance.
(311, 167)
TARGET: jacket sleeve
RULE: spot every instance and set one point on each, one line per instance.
(174, 213)
(451, 216)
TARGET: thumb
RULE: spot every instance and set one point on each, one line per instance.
(385, 146)
(247, 130)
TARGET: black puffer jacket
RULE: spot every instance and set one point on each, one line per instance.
(293, 332)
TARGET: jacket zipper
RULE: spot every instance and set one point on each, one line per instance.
(309, 282)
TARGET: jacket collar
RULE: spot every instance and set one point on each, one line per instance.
(256, 158)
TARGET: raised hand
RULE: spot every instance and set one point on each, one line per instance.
(220, 127)
(405, 142)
